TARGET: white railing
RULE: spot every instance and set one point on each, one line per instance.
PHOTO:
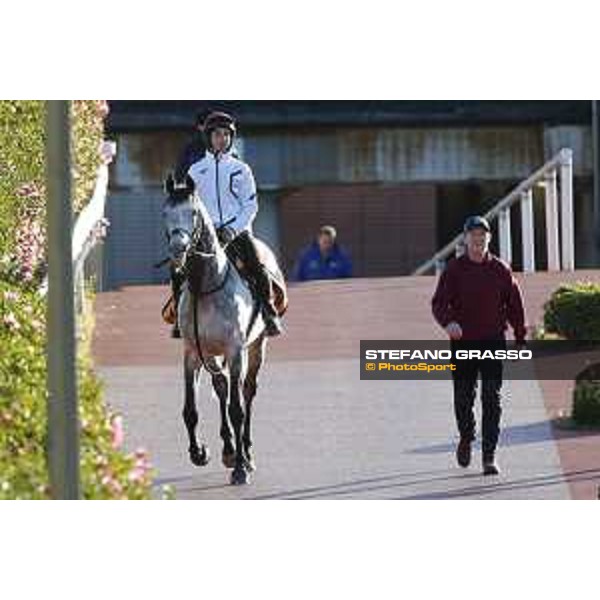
(86, 234)
(556, 177)
(87, 228)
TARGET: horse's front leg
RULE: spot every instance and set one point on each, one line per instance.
(237, 369)
(221, 387)
(199, 454)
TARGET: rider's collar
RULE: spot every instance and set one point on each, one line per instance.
(221, 155)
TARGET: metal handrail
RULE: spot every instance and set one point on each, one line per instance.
(563, 158)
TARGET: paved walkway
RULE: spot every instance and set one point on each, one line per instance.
(320, 432)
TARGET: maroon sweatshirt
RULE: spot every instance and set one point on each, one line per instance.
(481, 297)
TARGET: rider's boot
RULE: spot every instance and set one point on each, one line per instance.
(268, 311)
(244, 247)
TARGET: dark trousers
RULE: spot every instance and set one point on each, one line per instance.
(244, 248)
(465, 384)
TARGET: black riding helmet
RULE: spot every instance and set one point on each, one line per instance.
(216, 120)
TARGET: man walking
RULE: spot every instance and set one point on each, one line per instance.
(476, 298)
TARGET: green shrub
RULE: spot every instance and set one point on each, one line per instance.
(573, 311)
(586, 403)
(106, 471)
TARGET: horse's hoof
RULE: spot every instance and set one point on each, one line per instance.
(250, 463)
(200, 457)
(240, 476)
(228, 459)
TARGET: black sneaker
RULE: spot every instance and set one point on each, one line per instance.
(463, 452)
(490, 467)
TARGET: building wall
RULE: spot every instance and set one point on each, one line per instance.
(353, 155)
(383, 187)
(387, 229)
(135, 240)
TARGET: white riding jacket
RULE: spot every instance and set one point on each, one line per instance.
(226, 186)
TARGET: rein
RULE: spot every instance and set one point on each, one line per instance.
(220, 286)
(196, 295)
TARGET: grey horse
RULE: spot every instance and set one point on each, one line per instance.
(222, 330)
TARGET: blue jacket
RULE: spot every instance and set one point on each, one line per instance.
(311, 265)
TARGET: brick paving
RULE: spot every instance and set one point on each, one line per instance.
(322, 433)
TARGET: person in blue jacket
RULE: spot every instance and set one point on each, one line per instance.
(323, 259)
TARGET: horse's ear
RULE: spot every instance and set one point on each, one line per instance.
(169, 184)
(189, 184)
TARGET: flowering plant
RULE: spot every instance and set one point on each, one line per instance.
(107, 470)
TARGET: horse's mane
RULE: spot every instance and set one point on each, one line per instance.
(179, 196)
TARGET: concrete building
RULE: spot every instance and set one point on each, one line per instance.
(396, 178)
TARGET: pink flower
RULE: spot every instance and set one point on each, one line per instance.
(30, 240)
(118, 434)
(108, 150)
(27, 273)
(102, 107)
(141, 453)
(28, 190)
(136, 475)
(142, 464)
(37, 325)
(11, 296)
(11, 321)
(115, 487)
(99, 230)
(112, 484)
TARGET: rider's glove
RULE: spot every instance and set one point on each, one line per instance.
(225, 234)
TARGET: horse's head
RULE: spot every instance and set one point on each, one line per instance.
(186, 221)
(180, 215)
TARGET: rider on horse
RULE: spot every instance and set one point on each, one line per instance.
(226, 186)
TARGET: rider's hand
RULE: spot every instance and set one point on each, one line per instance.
(454, 330)
(226, 234)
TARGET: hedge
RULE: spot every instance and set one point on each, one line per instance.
(586, 403)
(573, 311)
(106, 470)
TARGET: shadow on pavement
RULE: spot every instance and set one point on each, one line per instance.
(499, 485)
(514, 435)
(520, 484)
(363, 485)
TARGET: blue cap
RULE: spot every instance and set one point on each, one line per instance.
(476, 221)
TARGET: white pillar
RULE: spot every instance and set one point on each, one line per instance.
(566, 209)
(552, 221)
(527, 232)
(504, 235)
